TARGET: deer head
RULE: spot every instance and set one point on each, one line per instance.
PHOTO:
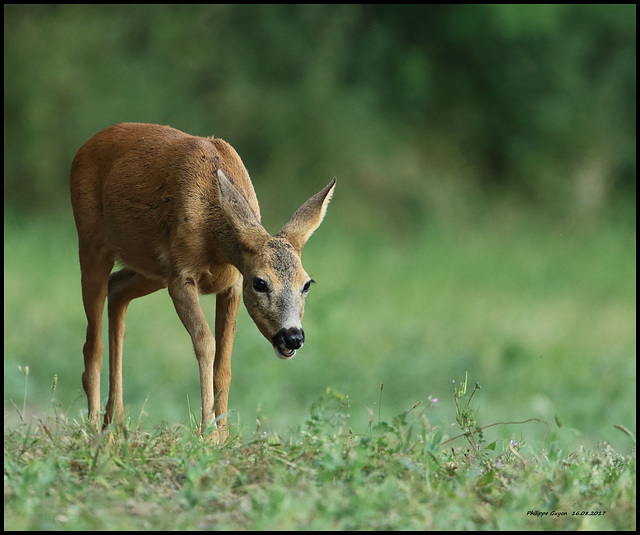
(275, 284)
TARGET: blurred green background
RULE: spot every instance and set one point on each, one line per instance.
(484, 219)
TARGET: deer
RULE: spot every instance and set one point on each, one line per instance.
(178, 211)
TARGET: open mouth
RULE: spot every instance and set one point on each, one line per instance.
(283, 352)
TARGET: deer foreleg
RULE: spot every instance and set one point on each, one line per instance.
(184, 293)
(227, 304)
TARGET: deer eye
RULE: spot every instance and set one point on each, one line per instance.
(259, 285)
(307, 286)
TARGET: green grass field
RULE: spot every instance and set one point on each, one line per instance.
(540, 314)
(399, 474)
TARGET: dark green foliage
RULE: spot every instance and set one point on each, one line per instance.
(412, 106)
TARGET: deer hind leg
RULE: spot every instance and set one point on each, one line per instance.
(95, 267)
(124, 285)
(227, 304)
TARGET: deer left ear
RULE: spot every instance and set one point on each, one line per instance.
(307, 218)
(239, 215)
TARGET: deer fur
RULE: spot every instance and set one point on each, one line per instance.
(179, 212)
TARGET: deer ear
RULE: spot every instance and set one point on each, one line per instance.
(307, 218)
(239, 215)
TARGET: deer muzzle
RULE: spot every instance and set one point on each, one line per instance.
(287, 341)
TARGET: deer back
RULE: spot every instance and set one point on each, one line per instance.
(149, 194)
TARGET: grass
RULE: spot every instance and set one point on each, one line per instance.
(543, 314)
(540, 313)
(398, 474)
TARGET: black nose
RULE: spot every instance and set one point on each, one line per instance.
(292, 338)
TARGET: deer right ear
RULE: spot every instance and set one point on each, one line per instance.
(307, 218)
(239, 215)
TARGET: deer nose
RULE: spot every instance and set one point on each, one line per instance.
(287, 341)
(292, 338)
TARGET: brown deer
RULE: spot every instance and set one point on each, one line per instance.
(179, 212)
